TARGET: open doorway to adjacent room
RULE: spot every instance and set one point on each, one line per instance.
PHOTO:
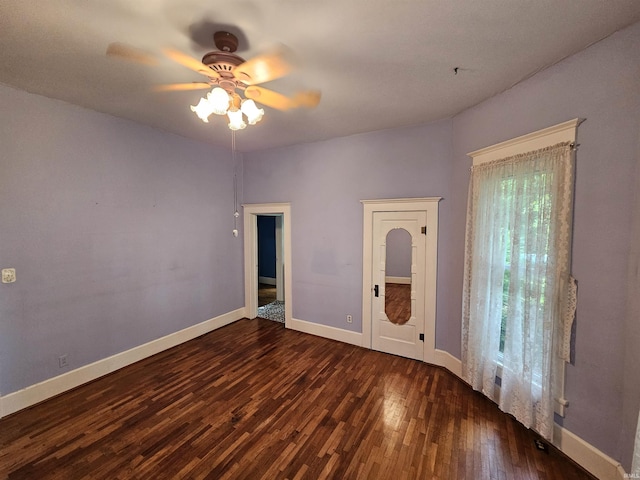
(267, 246)
(270, 267)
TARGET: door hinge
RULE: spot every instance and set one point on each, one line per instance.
(422, 337)
(424, 230)
(376, 291)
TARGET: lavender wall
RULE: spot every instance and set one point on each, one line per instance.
(325, 182)
(631, 384)
(120, 234)
(602, 85)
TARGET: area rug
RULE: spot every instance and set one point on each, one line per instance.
(272, 311)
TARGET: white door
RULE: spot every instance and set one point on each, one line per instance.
(399, 336)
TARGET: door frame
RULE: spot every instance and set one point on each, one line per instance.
(279, 260)
(251, 212)
(430, 205)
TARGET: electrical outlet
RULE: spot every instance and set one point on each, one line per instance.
(62, 361)
(349, 319)
(8, 275)
(542, 446)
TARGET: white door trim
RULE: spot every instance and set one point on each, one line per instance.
(279, 261)
(430, 205)
(251, 212)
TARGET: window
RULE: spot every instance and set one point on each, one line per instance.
(537, 205)
(517, 286)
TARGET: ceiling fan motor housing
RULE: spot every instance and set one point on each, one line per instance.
(223, 63)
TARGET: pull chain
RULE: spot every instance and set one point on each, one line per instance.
(236, 214)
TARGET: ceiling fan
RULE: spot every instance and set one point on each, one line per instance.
(228, 74)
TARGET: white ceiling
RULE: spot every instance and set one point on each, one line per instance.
(379, 63)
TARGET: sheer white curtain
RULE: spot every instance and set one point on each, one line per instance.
(517, 281)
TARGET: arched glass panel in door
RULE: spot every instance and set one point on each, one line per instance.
(397, 298)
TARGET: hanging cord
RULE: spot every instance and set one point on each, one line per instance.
(236, 214)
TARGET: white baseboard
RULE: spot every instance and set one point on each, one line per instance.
(583, 453)
(333, 333)
(589, 457)
(54, 386)
(586, 455)
(448, 361)
(402, 280)
(622, 473)
(267, 280)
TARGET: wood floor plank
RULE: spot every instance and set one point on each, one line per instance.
(253, 400)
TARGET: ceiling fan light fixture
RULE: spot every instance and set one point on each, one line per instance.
(219, 100)
(228, 74)
(236, 121)
(203, 110)
(253, 113)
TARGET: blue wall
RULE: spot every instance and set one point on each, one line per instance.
(266, 246)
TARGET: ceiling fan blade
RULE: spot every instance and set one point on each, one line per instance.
(308, 98)
(127, 52)
(177, 87)
(189, 62)
(269, 98)
(266, 67)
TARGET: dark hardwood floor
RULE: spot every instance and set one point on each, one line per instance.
(253, 400)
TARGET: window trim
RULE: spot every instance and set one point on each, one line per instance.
(563, 132)
(546, 137)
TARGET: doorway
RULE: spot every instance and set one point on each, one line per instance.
(271, 301)
(398, 311)
(398, 319)
(280, 236)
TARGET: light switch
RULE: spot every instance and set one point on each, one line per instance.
(8, 275)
